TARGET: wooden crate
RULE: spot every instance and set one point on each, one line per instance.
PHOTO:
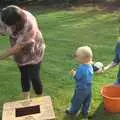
(39, 108)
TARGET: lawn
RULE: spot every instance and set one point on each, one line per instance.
(65, 30)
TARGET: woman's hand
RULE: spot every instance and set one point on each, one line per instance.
(5, 54)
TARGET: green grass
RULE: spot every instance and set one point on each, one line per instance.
(64, 31)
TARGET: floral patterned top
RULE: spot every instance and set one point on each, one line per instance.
(30, 36)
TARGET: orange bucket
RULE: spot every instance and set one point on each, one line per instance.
(111, 98)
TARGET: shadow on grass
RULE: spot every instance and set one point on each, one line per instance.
(102, 114)
(69, 117)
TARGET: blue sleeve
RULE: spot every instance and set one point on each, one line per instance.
(117, 52)
(79, 73)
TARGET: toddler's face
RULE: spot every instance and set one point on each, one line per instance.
(78, 59)
(82, 59)
(83, 55)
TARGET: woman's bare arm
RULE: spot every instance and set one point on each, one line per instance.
(11, 51)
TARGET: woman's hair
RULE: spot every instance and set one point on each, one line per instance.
(12, 15)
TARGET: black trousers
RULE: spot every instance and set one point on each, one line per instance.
(31, 74)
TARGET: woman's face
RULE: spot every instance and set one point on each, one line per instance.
(17, 26)
(77, 58)
(13, 27)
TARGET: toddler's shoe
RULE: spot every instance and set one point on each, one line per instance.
(67, 111)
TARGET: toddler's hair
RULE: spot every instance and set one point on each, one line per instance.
(83, 52)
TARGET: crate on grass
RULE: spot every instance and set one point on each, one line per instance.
(39, 108)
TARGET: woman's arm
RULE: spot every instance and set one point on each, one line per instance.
(107, 67)
(111, 65)
(11, 51)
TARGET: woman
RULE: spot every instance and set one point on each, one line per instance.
(27, 46)
(114, 62)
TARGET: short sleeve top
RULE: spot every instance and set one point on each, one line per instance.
(30, 36)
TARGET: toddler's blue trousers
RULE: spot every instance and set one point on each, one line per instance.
(81, 99)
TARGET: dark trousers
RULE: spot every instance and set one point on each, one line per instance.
(31, 74)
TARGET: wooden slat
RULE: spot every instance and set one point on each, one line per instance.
(46, 109)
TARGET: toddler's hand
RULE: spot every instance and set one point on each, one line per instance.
(72, 72)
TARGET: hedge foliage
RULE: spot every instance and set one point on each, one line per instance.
(55, 1)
